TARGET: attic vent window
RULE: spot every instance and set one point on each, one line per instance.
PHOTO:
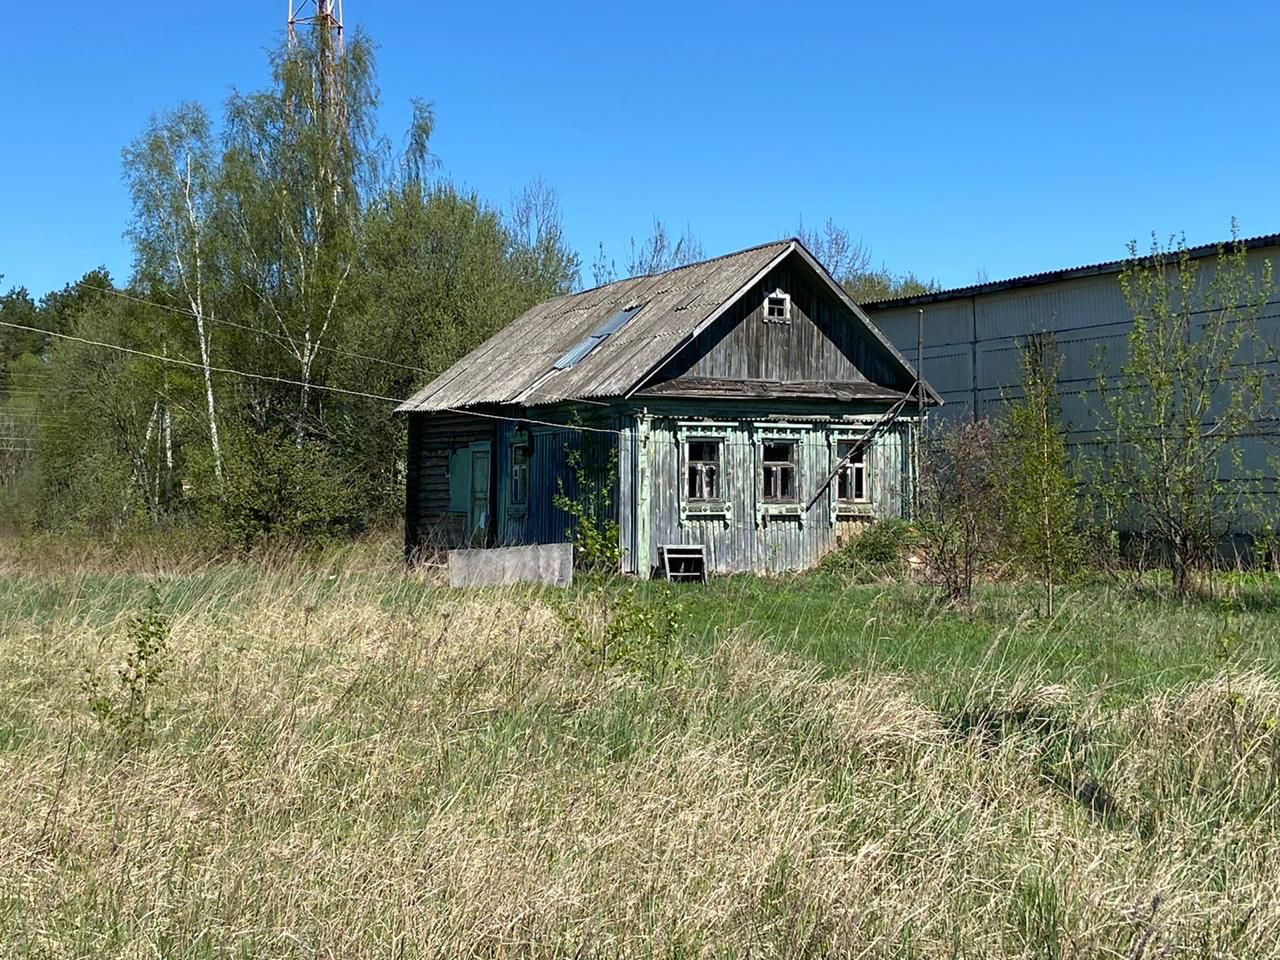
(777, 307)
(575, 354)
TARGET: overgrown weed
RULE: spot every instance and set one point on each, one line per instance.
(352, 763)
(126, 705)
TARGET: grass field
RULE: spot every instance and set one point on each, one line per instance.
(331, 758)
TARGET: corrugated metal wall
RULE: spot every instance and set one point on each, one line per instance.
(971, 348)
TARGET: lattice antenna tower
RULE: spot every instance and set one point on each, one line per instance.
(320, 15)
(324, 18)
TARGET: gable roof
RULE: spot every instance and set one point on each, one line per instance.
(598, 344)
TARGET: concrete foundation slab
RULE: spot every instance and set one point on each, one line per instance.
(549, 563)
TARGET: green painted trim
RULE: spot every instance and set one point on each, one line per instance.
(642, 504)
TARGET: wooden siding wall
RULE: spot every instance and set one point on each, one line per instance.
(820, 343)
(429, 524)
(743, 542)
(539, 521)
(646, 486)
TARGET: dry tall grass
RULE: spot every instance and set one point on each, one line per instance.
(324, 776)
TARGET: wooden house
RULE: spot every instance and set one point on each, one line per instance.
(743, 404)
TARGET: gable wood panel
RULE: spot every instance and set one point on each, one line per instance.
(822, 342)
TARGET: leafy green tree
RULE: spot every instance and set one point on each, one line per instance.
(1038, 499)
(277, 488)
(1171, 422)
(295, 169)
(25, 370)
(883, 284)
(171, 169)
(104, 448)
(440, 272)
(60, 308)
(290, 277)
(17, 307)
(19, 395)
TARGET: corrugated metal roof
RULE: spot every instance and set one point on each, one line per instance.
(1053, 276)
(518, 364)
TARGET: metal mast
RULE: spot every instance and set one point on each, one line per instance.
(329, 109)
(324, 17)
(321, 14)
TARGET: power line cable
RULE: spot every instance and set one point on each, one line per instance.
(192, 364)
(258, 376)
(298, 383)
(243, 326)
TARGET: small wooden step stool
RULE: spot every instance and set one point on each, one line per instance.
(685, 561)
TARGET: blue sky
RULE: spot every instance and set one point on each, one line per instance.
(951, 138)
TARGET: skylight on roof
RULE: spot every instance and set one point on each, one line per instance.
(616, 322)
(579, 350)
(576, 353)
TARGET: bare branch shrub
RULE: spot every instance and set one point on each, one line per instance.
(960, 515)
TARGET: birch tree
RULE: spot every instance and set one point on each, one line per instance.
(298, 159)
(171, 171)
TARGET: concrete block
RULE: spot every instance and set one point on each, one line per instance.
(549, 563)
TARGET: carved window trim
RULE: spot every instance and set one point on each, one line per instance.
(843, 508)
(767, 433)
(720, 506)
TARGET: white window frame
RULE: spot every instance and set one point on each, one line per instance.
(786, 306)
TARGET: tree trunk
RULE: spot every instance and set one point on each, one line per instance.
(208, 395)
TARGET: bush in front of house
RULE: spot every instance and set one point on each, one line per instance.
(879, 552)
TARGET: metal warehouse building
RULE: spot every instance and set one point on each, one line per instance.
(971, 340)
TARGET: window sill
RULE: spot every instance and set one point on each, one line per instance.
(769, 511)
(713, 509)
(852, 509)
